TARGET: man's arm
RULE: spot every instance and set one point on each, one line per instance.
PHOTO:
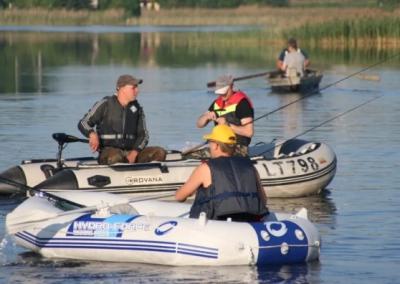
(306, 58)
(279, 61)
(89, 121)
(245, 113)
(246, 129)
(92, 118)
(200, 176)
(206, 117)
(142, 133)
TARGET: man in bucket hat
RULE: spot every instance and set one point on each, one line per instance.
(225, 186)
(116, 126)
(232, 108)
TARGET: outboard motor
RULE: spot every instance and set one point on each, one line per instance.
(62, 139)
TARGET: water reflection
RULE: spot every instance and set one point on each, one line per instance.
(321, 208)
(25, 69)
(145, 273)
(292, 116)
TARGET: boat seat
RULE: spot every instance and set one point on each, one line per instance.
(307, 148)
(262, 149)
(175, 156)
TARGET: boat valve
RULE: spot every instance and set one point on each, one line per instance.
(103, 210)
(202, 219)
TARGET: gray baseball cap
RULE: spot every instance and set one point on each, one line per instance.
(126, 79)
(222, 84)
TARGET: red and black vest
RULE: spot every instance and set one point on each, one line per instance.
(228, 108)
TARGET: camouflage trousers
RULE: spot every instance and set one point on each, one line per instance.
(111, 155)
(204, 153)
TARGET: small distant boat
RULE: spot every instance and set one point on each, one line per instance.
(136, 234)
(293, 82)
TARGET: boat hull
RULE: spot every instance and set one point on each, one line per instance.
(168, 240)
(283, 84)
(291, 168)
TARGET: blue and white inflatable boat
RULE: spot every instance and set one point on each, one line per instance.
(157, 232)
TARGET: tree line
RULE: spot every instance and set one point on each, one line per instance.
(132, 7)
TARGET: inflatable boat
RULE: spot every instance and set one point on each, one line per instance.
(156, 232)
(290, 168)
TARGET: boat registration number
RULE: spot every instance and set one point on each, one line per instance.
(294, 166)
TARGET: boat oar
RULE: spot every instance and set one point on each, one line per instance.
(13, 228)
(27, 189)
(212, 84)
(369, 77)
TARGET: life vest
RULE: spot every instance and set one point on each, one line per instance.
(228, 108)
(233, 190)
(119, 125)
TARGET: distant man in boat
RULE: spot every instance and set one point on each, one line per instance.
(116, 126)
(226, 186)
(293, 58)
(232, 108)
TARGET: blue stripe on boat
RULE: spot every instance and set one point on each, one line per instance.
(118, 244)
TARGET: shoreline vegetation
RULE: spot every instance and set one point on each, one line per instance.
(326, 27)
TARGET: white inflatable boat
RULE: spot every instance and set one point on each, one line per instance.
(290, 168)
(156, 232)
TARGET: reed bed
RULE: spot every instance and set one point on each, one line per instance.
(380, 32)
(272, 18)
(319, 26)
(39, 16)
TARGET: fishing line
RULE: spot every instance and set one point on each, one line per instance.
(313, 92)
(326, 121)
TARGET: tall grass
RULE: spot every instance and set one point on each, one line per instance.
(377, 31)
(41, 16)
(330, 27)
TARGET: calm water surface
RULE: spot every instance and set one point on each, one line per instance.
(49, 80)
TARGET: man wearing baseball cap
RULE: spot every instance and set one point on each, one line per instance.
(116, 125)
(231, 108)
(226, 186)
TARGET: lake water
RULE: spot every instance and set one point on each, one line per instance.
(50, 78)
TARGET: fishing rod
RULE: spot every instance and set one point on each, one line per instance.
(325, 122)
(313, 92)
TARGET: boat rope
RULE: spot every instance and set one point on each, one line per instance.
(315, 245)
(313, 92)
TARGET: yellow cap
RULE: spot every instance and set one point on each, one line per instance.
(222, 133)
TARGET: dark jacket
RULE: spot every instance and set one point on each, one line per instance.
(233, 190)
(117, 126)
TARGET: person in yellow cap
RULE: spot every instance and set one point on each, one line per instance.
(226, 186)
